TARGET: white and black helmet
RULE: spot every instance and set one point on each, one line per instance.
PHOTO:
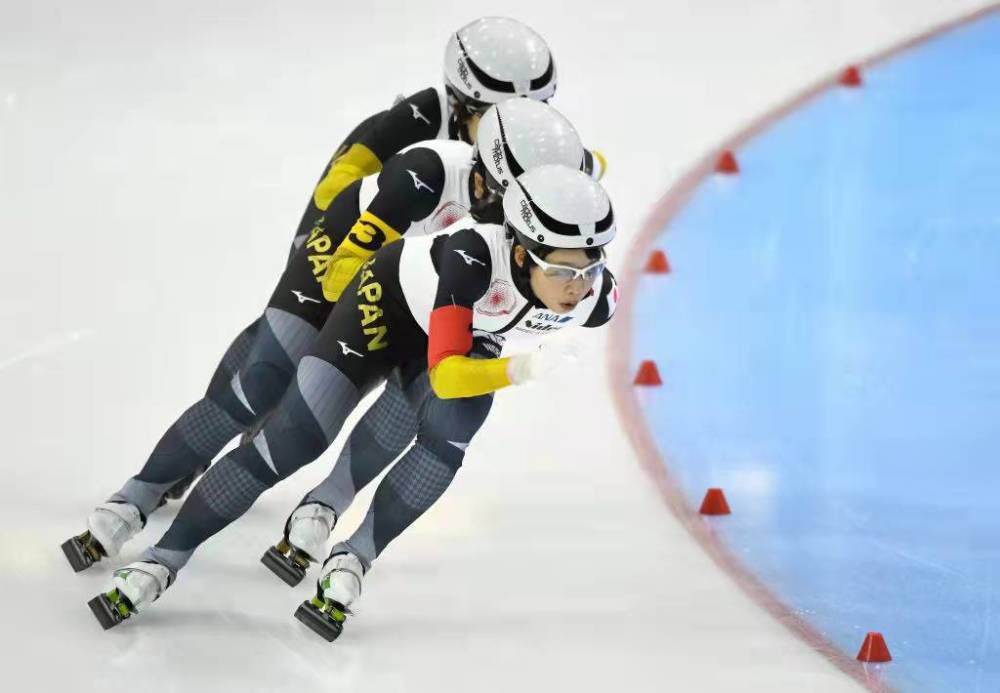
(553, 207)
(518, 135)
(496, 58)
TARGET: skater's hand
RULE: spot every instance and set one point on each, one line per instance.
(542, 362)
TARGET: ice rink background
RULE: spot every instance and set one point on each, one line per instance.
(154, 160)
(828, 338)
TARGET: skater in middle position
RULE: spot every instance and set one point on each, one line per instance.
(451, 299)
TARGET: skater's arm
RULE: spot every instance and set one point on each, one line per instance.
(412, 120)
(594, 164)
(409, 189)
(464, 271)
(607, 301)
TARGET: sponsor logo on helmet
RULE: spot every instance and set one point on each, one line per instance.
(498, 156)
(463, 73)
(527, 215)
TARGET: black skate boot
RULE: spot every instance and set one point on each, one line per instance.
(323, 617)
(83, 551)
(336, 591)
(134, 587)
(304, 539)
(287, 562)
(110, 609)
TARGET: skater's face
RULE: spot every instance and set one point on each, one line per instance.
(554, 281)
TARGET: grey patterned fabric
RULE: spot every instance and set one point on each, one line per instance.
(230, 490)
(206, 428)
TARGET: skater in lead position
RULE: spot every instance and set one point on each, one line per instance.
(421, 190)
(448, 302)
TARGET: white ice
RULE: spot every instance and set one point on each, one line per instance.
(154, 160)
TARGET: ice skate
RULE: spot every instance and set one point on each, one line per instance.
(109, 526)
(339, 587)
(306, 533)
(135, 586)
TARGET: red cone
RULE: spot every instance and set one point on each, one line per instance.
(657, 263)
(714, 503)
(874, 649)
(727, 163)
(648, 374)
(851, 77)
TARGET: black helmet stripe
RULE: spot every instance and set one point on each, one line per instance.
(554, 225)
(500, 85)
(515, 168)
(539, 82)
(605, 223)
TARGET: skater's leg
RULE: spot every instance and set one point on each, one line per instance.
(234, 357)
(421, 476)
(385, 431)
(297, 432)
(346, 362)
(381, 435)
(201, 432)
(409, 489)
(283, 334)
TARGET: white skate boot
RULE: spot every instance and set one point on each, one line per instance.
(336, 590)
(306, 534)
(134, 587)
(109, 526)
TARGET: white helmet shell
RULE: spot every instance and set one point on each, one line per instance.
(518, 135)
(495, 58)
(559, 207)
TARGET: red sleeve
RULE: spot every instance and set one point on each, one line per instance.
(450, 334)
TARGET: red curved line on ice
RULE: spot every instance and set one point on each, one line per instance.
(620, 364)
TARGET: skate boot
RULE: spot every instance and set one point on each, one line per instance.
(339, 587)
(306, 532)
(109, 526)
(178, 490)
(135, 587)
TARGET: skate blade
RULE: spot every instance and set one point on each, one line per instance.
(105, 612)
(283, 567)
(318, 622)
(77, 555)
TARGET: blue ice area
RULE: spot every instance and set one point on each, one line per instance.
(829, 339)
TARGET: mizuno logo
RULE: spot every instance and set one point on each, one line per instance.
(469, 259)
(417, 182)
(303, 298)
(348, 350)
(417, 115)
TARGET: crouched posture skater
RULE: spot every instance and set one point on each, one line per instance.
(422, 190)
(542, 271)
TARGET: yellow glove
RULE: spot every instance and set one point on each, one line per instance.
(600, 165)
(357, 162)
(368, 234)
